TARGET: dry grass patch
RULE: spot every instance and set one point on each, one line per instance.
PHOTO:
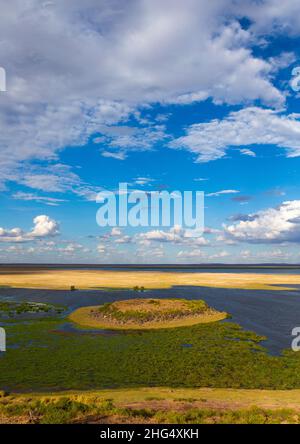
(93, 279)
(154, 405)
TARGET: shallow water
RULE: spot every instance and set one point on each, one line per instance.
(69, 328)
(268, 313)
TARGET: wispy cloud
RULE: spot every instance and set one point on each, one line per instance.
(120, 155)
(41, 199)
(222, 192)
(143, 181)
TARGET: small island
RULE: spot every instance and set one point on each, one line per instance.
(146, 314)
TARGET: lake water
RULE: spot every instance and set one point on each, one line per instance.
(268, 313)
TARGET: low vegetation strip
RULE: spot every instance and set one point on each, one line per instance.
(146, 313)
(152, 405)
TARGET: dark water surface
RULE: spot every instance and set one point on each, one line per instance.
(268, 313)
(190, 268)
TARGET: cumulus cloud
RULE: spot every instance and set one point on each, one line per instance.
(273, 225)
(269, 255)
(71, 248)
(119, 59)
(43, 227)
(273, 16)
(199, 254)
(124, 240)
(101, 248)
(115, 231)
(176, 235)
(219, 255)
(247, 127)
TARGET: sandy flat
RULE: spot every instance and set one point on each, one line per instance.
(93, 279)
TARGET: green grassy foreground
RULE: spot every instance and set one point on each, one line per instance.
(153, 405)
(40, 357)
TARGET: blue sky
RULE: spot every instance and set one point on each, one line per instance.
(164, 96)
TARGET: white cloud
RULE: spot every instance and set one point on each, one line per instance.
(56, 178)
(247, 152)
(199, 254)
(115, 231)
(273, 225)
(124, 240)
(77, 69)
(101, 248)
(247, 127)
(219, 255)
(267, 255)
(121, 139)
(120, 155)
(45, 250)
(71, 248)
(222, 192)
(45, 182)
(190, 254)
(284, 60)
(162, 236)
(116, 237)
(143, 181)
(43, 227)
(150, 255)
(176, 235)
(273, 16)
(33, 197)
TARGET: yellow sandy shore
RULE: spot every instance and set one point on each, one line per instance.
(93, 279)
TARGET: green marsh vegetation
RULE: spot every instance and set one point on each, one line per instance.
(41, 357)
(11, 308)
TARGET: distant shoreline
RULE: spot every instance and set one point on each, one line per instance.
(148, 266)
